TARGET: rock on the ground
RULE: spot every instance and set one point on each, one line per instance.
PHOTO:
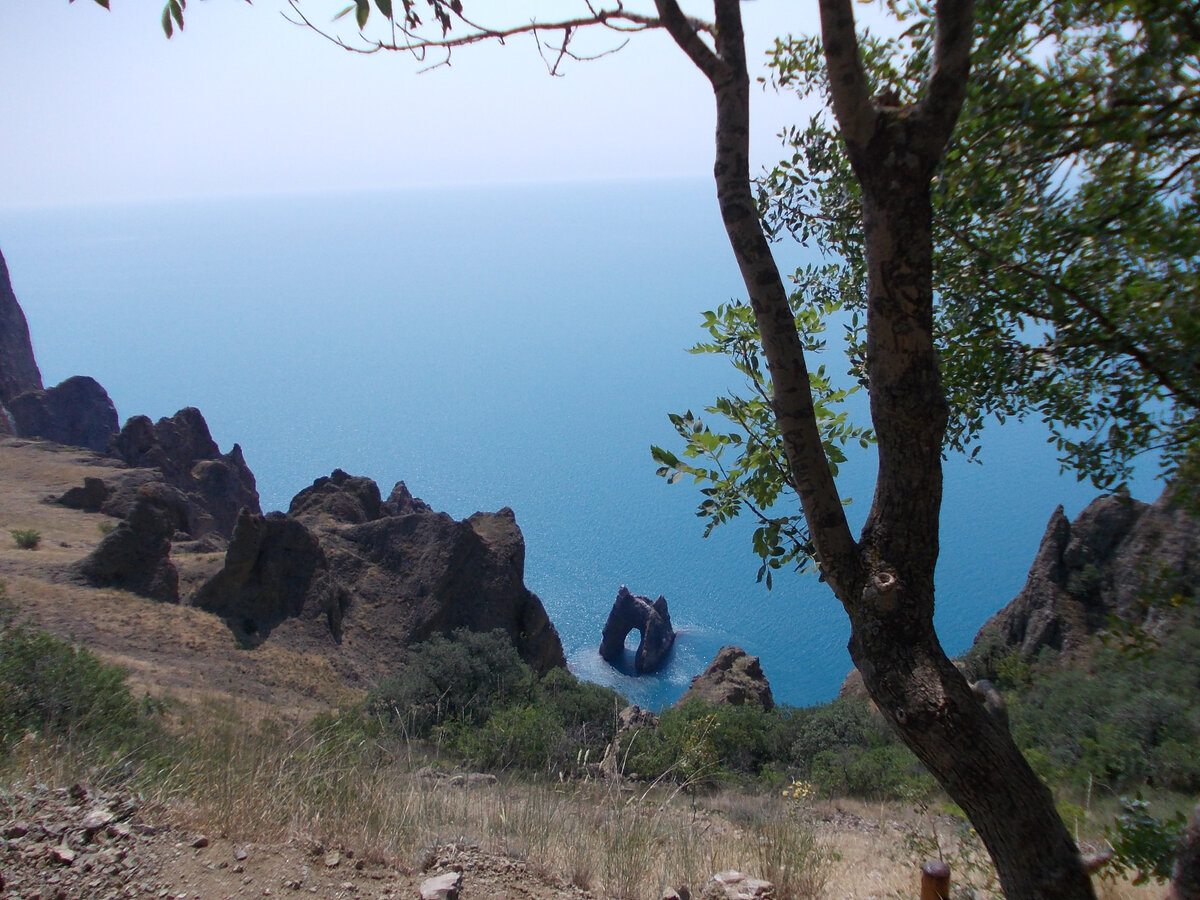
(652, 620)
(135, 556)
(442, 887)
(77, 412)
(732, 678)
(736, 886)
(18, 369)
(274, 570)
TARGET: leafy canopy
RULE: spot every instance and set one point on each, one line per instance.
(1065, 262)
(1068, 238)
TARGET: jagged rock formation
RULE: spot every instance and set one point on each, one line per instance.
(18, 369)
(274, 570)
(732, 678)
(380, 575)
(348, 499)
(135, 556)
(77, 412)
(630, 611)
(217, 485)
(1117, 557)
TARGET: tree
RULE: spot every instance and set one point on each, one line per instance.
(884, 579)
(1067, 278)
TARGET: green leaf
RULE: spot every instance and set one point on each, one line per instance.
(362, 12)
(177, 12)
(385, 7)
(345, 12)
(167, 28)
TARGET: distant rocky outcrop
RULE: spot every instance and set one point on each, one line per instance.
(1114, 559)
(274, 570)
(217, 485)
(379, 575)
(340, 498)
(135, 556)
(653, 620)
(18, 369)
(732, 678)
(78, 412)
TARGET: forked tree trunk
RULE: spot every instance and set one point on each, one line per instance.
(885, 580)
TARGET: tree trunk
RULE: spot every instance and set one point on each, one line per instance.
(885, 580)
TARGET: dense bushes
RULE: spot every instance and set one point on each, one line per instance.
(64, 695)
(840, 748)
(1121, 720)
(472, 694)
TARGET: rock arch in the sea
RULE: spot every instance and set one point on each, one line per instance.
(630, 611)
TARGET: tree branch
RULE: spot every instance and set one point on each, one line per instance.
(616, 18)
(951, 65)
(686, 33)
(852, 107)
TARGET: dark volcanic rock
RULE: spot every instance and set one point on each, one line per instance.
(414, 572)
(630, 611)
(1118, 554)
(732, 678)
(18, 369)
(181, 447)
(274, 570)
(135, 556)
(90, 497)
(349, 499)
(77, 412)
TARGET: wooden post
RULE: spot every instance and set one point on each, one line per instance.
(935, 880)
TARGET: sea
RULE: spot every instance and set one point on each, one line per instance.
(516, 346)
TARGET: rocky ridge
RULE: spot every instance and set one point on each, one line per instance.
(1117, 554)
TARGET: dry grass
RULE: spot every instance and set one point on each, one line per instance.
(337, 787)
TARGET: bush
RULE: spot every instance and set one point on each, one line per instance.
(460, 679)
(64, 694)
(845, 749)
(526, 736)
(26, 538)
(1123, 720)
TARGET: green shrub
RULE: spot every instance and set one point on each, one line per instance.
(60, 693)
(1123, 720)
(26, 538)
(1143, 844)
(526, 736)
(460, 679)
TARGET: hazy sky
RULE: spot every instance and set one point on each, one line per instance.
(99, 105)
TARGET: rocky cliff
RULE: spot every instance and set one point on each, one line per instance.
(18, 370)
(1120, 557)
(344, 567)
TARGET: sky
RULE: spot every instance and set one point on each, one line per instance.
(98, 106)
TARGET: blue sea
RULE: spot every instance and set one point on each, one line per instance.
(490, 347)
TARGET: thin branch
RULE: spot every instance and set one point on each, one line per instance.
(1115, 335)
(406, 39)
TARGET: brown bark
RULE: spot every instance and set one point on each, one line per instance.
(885, 580)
